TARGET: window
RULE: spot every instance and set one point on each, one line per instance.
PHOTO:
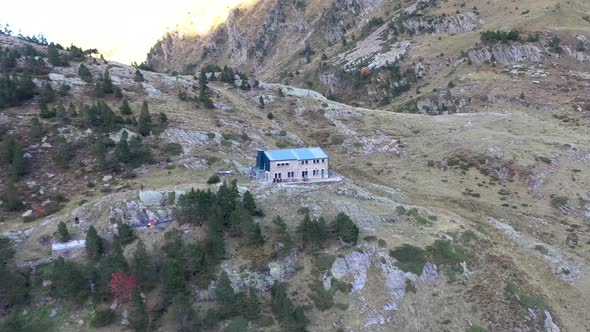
(323, 160)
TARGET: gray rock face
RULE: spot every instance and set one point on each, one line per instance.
(277, 271)
(550, 326)
(150, 197)
(354, 264)
(506, 54)
(18, 236)
(450, 24)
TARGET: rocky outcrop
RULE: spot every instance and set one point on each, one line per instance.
(443, 24)
(442, 103)
(506, 54)
(252, 39)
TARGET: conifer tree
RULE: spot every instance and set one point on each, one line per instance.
(346, 230)
(145, 120)
(18, 166)
(100, 148)
(283, 242)
(63, 152)
(84, 73)
(94, 244)
(141, 265)
(11, 198)
(250, 306)
(107, 83)
(137, 311)
(249, 203)
(226, 295)
(122, 152)
(62, 232)
(53, 55)
(37, 130)
(125, 108)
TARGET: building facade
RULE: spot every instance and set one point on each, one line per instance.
(292, 165)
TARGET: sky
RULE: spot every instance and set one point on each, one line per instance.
(122, 30)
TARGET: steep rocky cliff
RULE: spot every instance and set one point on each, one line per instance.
(257, 38)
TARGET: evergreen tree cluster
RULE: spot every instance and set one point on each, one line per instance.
(204, 93)
(12, 154)
(314, 233)
(221, 211)
(15, 90)
(499, 36)
(291, 317)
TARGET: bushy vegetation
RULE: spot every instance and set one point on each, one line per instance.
(499, 36)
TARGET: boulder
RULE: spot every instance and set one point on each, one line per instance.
(150, 197)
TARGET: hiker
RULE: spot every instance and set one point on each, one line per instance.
(141, 187)
(76, 220)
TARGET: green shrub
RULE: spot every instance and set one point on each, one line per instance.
(559, 201)
(173, 149)
(211, 135)
(322, 298)
(526, 300)
(400, 210)
(324, 262)
(382, 243)
(542, 249)
(282, 145)
(370, 238)
(102, 318)
(476, 328)
(225, 142)
(212, 160)
(409, 258)
(214, 179)
(443, 252)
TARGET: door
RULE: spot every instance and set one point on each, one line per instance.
(322, 173)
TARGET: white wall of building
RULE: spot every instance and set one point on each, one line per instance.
(294, 169)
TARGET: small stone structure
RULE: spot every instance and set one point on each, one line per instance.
(75, 248)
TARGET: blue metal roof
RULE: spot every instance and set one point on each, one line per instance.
(296, 154)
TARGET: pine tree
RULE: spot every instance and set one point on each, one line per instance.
(84, 73)
(346, 230)
(125, 108)
(125, 233)
(18, 166)
(63, 152)
(322, 229)
(122, 152)
(107, 83)
(11, 198)
(36, 131)
(47, 94)
(249, 203)
(62, 232)
(68, 281)
(283, 242)
(261, 101)
(250, 306)
(187, 319)
(101, 150)
(53, 55)
(72, 110)
(163, 118)
(94, 244)
(226, 295)
(145, 120)
(137, 311)
(141, 265)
